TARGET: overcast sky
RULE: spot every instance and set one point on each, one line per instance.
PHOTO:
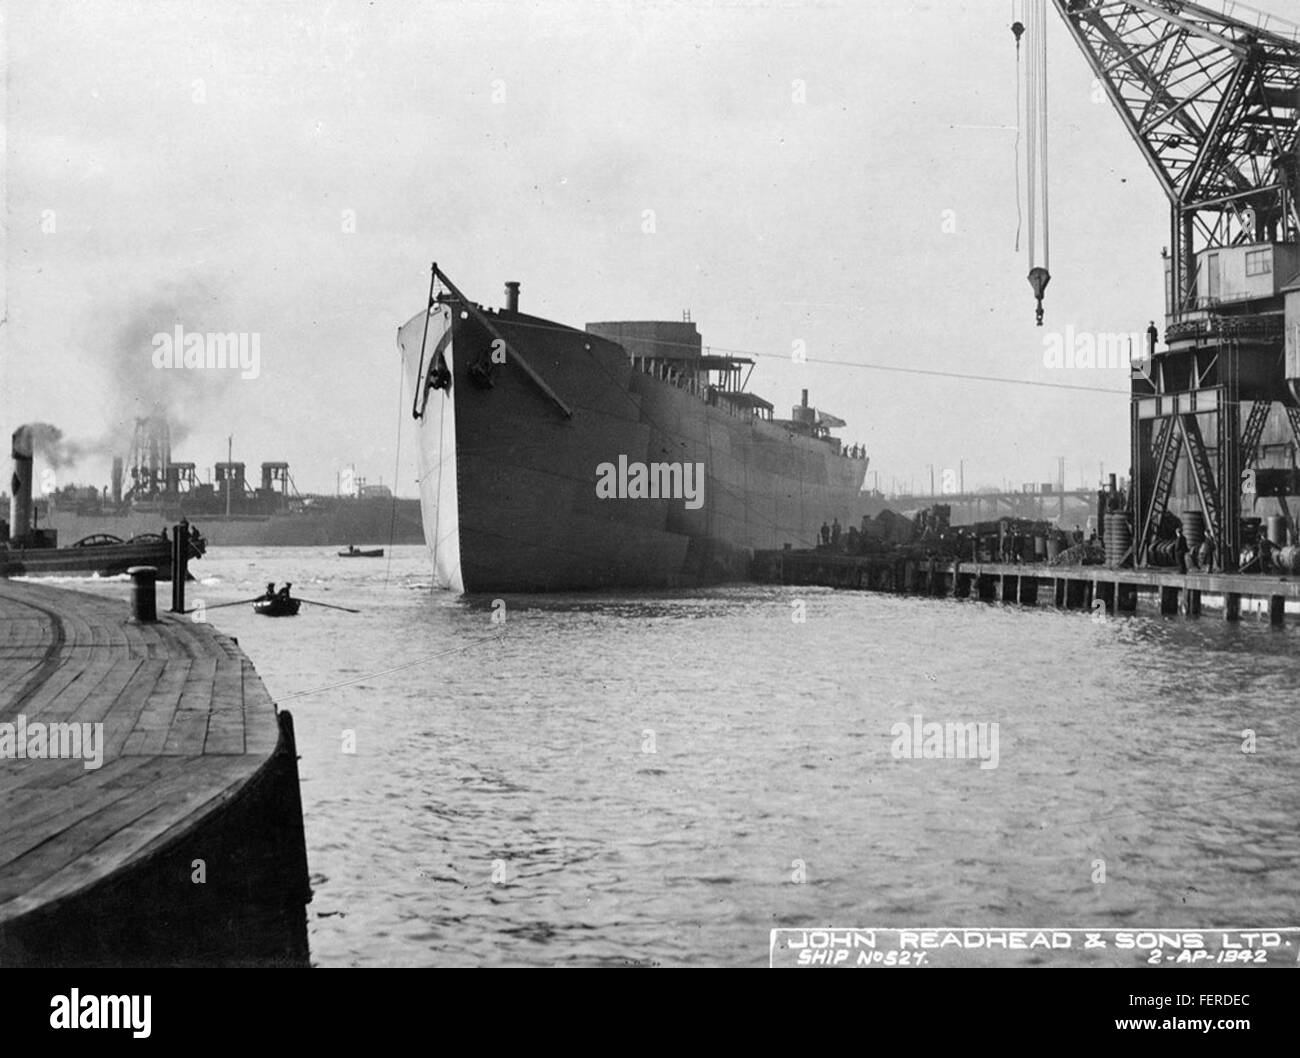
(290, 170)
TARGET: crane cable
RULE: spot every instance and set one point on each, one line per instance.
(1044, 155)
(1018, 29)
(1031, 145)
(1036, 169)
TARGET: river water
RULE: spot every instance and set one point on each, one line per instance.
(663, 778)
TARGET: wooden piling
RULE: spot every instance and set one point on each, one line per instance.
(1071, 588)
(1009, 588)
(1105, 590)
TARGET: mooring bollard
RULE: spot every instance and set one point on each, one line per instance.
(180, 564)
(144, 604)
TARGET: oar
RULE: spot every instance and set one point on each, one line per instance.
(328, 605)
(219, 605)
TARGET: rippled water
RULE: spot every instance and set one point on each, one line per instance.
(503, 805)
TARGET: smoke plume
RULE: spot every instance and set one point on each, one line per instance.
(121, 343)
(136, 389)
(47, 441)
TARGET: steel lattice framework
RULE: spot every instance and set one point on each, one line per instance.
(1211, 97)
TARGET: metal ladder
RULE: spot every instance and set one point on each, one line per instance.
(1166, 463)
(1254, 430)
(1204, 474)
(1158, 441)
(1294, 415)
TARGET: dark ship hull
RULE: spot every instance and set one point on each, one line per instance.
(348, 522)
(511, 454)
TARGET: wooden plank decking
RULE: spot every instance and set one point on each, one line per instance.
(193, 769)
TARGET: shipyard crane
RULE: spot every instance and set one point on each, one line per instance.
(1210, 93)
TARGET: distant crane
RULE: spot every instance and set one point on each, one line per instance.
(1210, 93)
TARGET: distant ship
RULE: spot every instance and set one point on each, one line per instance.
(149, 491)
(324, 521)
(620, 456)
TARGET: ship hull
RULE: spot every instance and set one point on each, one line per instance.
(510, 466)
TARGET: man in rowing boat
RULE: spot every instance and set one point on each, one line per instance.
(283, 594)
(270, 591)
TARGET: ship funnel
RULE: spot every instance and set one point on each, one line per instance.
(512, 297)
(802, 413)
(20, 488)
(117, 481)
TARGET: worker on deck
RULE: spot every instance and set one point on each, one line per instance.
(826, 534)
(835, 534)
(1205, 556)
(1267, 549)
(1181, 549)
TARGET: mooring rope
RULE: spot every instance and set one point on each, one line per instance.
(397, 467)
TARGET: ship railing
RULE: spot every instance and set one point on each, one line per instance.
(695, 385)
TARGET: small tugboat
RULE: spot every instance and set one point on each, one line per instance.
(356, 552)
(277, 603)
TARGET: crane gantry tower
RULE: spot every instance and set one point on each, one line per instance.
(1211, 95)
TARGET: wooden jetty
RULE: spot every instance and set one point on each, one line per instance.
(185, 846)
(1032, 584)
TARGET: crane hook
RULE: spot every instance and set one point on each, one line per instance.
(1039, 277)
(1018, 28)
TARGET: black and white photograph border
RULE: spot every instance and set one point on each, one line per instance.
(755, 483)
